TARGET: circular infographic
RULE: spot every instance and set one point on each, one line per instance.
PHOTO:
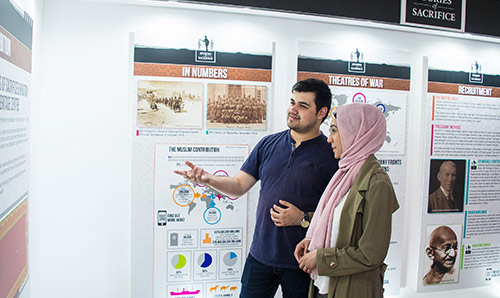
(178, 261)
(205, 260)
(230, 259)
(212, 215)
(332, 111)
(221, 173)
(359, 98)
(183, 195)
(381, 107)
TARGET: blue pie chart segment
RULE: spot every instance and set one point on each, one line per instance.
(230, 259)
(205, 260)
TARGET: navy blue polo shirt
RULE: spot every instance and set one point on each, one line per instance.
(297, 175)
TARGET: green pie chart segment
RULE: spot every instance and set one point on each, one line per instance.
(178, 261)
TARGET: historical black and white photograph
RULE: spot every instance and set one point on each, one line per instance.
(446, 186)
(236, 106)
(168, 104)
(442, 251)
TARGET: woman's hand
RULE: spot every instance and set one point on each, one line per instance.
(301, 249)
(308, 262)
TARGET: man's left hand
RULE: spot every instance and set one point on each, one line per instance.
(288, 215)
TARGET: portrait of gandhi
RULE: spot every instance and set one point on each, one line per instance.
(442, 251)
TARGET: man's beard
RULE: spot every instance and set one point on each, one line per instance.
(301, 128)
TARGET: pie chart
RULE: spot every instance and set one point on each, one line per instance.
(178, 261)
(205, 260)
(230, 259)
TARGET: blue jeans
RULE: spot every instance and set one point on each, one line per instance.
(262, 281)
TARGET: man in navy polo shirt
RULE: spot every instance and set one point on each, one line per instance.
(294, 167)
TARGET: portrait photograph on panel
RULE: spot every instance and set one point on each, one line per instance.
(446, 186)
(236, 106)
(168, 104)
(443, 254)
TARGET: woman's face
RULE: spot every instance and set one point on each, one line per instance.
(334, 138)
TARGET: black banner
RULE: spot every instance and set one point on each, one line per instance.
(437, 13)
(462, 77)
(384, 11)
(481, 15)
(188, 57)
(342, 67)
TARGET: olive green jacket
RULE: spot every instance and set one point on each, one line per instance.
(356, 265)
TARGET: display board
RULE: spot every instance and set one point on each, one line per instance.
(193, 103)
(15, 80)
(380, 78)
(460, 243)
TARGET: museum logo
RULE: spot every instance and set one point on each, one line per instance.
(205, 52)
(5, 45)
(356, 63)
(475, 75)
(434, 13)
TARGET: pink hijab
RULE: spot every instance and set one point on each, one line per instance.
(362, 129)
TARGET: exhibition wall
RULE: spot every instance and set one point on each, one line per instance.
(82, 115)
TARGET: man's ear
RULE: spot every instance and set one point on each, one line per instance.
(430, 253)
(322, 112)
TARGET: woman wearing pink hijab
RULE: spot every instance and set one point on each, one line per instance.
(346, 244)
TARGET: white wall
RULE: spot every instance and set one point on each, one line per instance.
(35, 200)
(81, 126)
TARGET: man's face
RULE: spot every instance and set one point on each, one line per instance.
(301, 114)
(445, 252)
(447, 176)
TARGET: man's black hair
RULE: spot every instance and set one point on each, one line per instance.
(323, 95)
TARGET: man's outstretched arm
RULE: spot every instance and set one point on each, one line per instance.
(232, 186)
